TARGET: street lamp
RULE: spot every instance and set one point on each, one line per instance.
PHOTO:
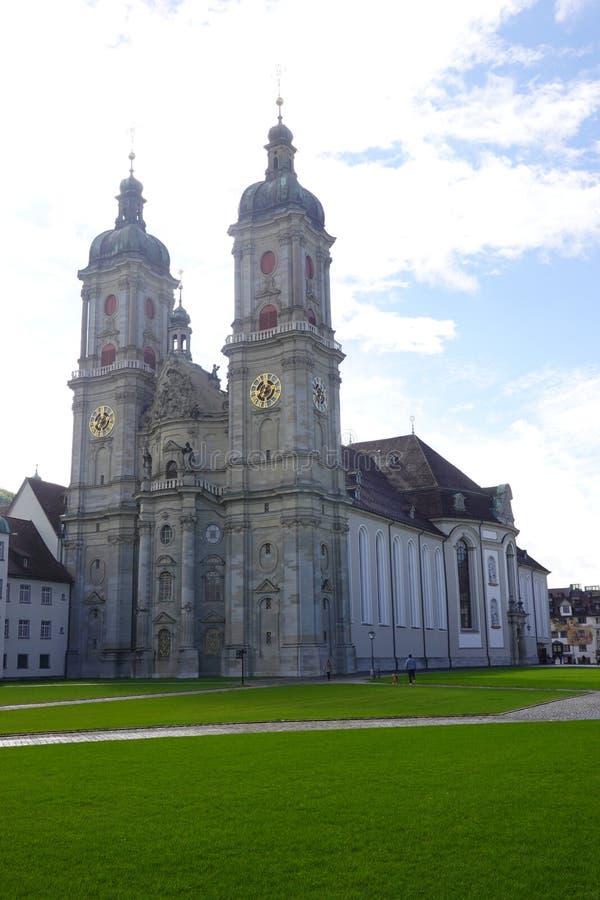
(372, 638)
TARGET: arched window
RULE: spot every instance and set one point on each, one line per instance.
(415, 616)
(108, 355)
(312, 319)
(401, 617)
(440, 592)
(150, 357)
(366, 611)
(382, 600)
(464, 585)
(171, 469)
(165, 586)
(164, 643)
(427, 593)
(267, 318)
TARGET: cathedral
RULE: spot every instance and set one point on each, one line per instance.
(213, 531)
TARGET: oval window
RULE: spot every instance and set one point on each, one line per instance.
(150, 307)
(308, 265)
(267, 262)
(110, 305)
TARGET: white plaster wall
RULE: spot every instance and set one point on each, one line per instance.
(57, 614)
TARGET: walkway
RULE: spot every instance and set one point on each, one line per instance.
(583, 706)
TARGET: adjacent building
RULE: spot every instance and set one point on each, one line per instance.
(575, 623)
(34, 603)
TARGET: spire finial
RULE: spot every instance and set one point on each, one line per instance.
(279, 100)
(412, 424)
(180, 286)
(131, 153)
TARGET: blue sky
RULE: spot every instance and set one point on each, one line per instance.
(456, 150)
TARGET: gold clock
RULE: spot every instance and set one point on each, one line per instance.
(265, 390)
(102, 421)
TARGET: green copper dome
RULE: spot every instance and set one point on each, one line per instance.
(281, 189)
(129, 236)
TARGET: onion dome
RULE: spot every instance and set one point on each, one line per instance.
(129, 234)
(179, 316)
(281, 189)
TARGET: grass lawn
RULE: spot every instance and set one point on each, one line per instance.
(12, 693)
(290, 702)
(579, 678)
(455, 812)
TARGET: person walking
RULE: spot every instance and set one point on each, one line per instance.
(411, 668)
(328, 669)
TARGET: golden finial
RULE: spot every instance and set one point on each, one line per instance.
(131, 153)
(279, 101)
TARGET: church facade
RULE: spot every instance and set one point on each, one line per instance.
(210, 529)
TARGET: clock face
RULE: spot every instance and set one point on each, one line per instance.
(265, 390)
(102, 421)
(319, 393)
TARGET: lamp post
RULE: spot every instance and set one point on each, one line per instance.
(372, 638)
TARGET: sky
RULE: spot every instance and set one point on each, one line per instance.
(456, 150)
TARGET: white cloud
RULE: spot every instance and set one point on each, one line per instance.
(388, 332)
(568, 9)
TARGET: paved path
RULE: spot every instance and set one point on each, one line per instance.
(583, 706)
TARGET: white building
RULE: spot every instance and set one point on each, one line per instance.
(35, 604)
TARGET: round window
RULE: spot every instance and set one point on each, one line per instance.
(267, 263)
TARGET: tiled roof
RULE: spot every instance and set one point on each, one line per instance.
(524, 559)
(426, 480)
(51, 497)
(373, 492)
(28, 556)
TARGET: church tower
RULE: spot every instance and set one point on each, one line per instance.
(127, 303)
(285, 502)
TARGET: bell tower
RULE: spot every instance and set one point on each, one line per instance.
(286, 509)
(127, 299)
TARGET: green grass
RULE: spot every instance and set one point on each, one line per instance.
(12, 693)
(455, 812)
(290, 702)
(581, 678)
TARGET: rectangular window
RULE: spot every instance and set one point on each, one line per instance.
(1, 550)
(582, 648)
(8, 591)
(22, 661)
(6, 628)
(46, 596)
(46, 630)
(25, 593)
(4, 660)
(44, 660)
(23, 629)
(1, 587)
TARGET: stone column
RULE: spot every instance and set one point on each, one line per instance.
(188, 654)
(143, 643)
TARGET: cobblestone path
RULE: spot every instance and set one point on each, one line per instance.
(583, 706)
